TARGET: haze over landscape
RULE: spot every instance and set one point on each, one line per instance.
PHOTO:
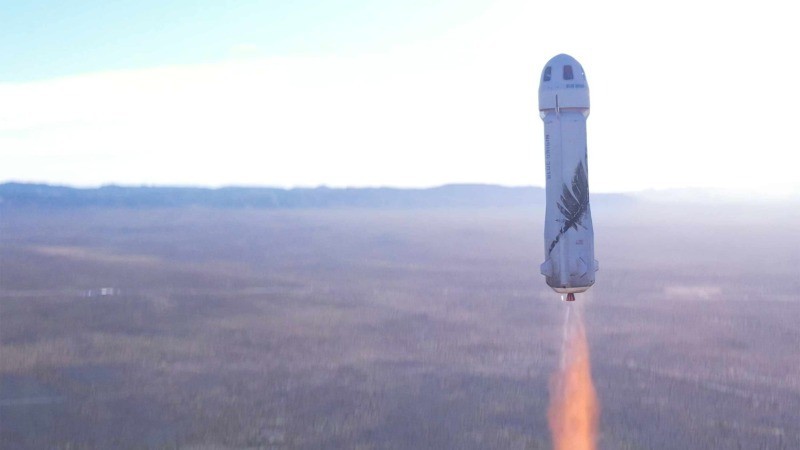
(413, 325)
(320, 225)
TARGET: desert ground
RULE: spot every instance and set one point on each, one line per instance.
(212, 328)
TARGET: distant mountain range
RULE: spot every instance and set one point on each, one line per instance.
(454, 195)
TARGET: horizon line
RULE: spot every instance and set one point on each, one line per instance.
(653, 193)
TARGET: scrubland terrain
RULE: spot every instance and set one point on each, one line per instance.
(365, 328)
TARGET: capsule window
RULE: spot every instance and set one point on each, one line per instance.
(547, 71)
(567, 72)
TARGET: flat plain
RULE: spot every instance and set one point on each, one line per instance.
(349, 328)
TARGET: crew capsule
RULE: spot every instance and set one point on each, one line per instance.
(563, 85)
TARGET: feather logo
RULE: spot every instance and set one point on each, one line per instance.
(574, 204)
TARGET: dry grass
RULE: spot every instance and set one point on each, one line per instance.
(386, 329)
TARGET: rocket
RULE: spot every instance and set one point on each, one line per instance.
(569, 265)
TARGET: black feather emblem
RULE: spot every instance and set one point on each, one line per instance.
(574, 203)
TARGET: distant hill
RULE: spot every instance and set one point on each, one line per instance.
(455, 195)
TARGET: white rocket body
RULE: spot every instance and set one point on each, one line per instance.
(568, 235)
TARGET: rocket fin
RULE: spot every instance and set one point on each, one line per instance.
(596, 265)
(547, 268)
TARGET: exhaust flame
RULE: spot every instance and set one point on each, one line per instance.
(574, 410)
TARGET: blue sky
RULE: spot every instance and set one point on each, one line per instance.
(49, 39)
(685, 94)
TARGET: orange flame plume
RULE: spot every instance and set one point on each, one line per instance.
(574, 409)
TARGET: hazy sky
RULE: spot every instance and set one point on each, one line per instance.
(411, 93)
